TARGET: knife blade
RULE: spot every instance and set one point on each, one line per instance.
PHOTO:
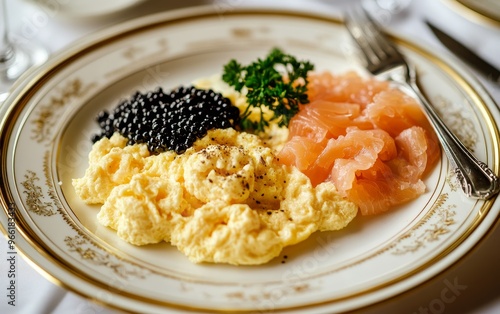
(465, 54)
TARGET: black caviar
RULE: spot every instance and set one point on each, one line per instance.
(168, 120)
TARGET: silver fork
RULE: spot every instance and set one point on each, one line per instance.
(384, 60)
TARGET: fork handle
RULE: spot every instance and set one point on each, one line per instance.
(477, 180)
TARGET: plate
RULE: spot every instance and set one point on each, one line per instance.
(85, 8)
(485, 11)
(48, 120)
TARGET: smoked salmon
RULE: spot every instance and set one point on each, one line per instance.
(371, 140)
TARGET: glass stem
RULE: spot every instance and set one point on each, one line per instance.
(6, 49)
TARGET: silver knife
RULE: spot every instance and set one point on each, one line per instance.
(466, 55)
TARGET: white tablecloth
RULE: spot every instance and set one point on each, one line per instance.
(474, 281)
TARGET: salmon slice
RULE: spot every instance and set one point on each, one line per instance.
(321, 120)
(412, 145)
(373, 142)
(359, 150)
(308, 126)
(337, 116)
(378, 196)
(348, 87)
(396, 181)
(394, 111)
(300, 152)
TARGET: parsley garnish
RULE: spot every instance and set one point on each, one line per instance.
(278, 82)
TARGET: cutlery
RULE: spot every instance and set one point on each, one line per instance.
(465, 54)
(384, 60)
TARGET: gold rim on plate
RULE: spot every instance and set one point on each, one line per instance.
(476, 11)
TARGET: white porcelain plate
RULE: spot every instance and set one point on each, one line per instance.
(46, 130)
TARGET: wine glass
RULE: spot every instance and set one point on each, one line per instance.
(16, 54)
(385, 10)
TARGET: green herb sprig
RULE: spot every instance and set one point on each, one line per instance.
(278, 82)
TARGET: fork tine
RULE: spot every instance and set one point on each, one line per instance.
(366, 32)
(357, 31)
(380, 40)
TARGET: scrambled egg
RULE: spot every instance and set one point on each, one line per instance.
(227, 199)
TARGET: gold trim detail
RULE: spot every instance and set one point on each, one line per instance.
(81, 238)
(454, 118)
(35, 204)
(285, 292)
(47, 115)
(82, 246)
(132, 52)
(453, 183)
(461, 126)
(419, 238)
(34, 196)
